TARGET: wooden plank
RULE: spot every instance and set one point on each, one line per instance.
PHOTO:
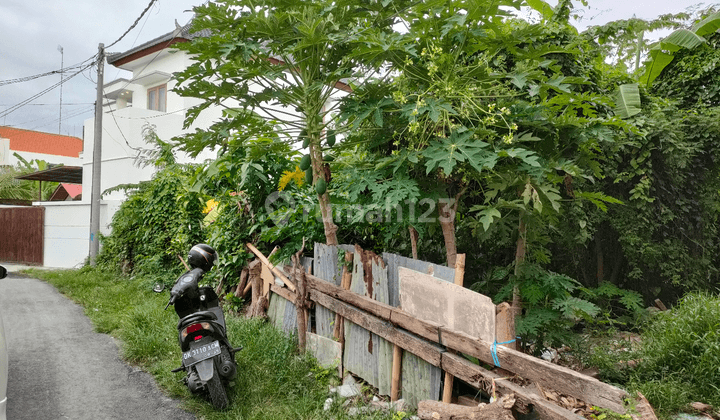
(427, 351)
(459, 309)
(377, 308)
(481, 378)
(22, 232)
(559, 378)
(287, 294)
(272, 268)
(327, 352)
(268, 279)
(549, 375)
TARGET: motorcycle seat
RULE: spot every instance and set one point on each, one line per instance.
(197, 317)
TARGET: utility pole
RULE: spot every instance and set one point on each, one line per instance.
(62, 62)
(97, 160)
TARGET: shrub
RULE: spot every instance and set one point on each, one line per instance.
(681, 354)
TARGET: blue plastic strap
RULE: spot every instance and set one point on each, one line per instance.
(496, 361)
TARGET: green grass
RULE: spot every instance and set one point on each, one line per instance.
(678, 357)
(681, 355)
(273, 381)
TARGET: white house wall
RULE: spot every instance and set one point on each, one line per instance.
(53, 159)
(67, 230)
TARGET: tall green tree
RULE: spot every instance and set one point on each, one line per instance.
(284, 60)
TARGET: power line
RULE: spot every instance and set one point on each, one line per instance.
(55, 104)
(32, 98)
(37, 76)
(70, 115)
(134, 24)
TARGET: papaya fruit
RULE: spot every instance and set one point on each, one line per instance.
(308, 176)
(304, 137)
(305, 162)
(320, 186)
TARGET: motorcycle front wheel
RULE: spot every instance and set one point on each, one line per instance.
(218, 396)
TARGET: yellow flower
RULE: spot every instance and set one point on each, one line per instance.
(298, 176)
(210, 205)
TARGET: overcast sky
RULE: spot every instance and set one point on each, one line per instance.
(32, 30)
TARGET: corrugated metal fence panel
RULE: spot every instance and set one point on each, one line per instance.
(420, 380)
(307, 264)
(282, 314)
(366, 354)
(325, 267)
(385, 348)
(276, 310)
(22, 234)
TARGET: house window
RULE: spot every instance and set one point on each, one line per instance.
(157, 98)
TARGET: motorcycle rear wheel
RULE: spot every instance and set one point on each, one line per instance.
(218, 396)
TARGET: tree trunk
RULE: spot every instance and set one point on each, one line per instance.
(324, 198)
(600, 261)
(413, 241)
(447, 214)
(520, 252)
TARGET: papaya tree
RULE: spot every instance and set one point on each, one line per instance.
(284, 61)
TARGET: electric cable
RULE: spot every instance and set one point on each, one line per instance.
(37, 95)
(134, 24)
(37, 76)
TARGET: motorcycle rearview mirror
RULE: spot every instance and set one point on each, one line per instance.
(158, 288)
(3, 272)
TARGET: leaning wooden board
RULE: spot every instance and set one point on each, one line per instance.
(447, 304)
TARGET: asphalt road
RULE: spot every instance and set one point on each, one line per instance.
(59, 368)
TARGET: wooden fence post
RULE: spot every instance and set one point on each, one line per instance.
(346, 280)
(459, 279)
(396, 372)
(300, 305)
(505, 325)
(256, 308)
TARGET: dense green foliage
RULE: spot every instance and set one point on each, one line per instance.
(158, 222)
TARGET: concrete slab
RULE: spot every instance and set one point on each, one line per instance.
(448, 304)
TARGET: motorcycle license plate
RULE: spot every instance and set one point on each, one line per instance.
(201, 353)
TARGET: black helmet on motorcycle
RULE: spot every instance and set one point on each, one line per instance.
(202, 256)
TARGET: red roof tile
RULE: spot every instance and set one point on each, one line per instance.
(72, 189)
(38, 142)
